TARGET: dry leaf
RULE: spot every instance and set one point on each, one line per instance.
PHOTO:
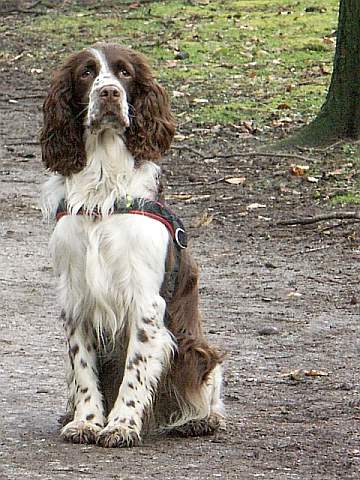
(200, 100)
(337, 171)
(298, 170)
(171, 63)
(204, 220)
(315, 373)
(312, 179)
(178, 196)
(253, 206)
(178, 94)
(294, 295)
(299, 374)
(283, 106)
(235, 180)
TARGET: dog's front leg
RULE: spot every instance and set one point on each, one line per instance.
(84, 392)
(149, 352)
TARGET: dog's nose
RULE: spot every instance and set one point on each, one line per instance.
(109, 93)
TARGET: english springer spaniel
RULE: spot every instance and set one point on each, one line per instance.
(128, 287)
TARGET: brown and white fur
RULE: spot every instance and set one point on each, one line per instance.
(105, 122)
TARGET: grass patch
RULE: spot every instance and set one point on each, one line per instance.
(346, 198)
(245, 57)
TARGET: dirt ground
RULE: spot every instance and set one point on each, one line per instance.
(280, 301)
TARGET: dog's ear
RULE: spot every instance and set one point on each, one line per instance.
(61, 138)
(152, 125)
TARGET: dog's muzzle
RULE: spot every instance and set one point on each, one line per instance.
(108, 108)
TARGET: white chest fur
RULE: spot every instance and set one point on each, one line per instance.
(110, 174)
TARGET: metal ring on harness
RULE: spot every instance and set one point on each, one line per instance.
(180, 237)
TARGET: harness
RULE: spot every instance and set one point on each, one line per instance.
(140, 206)
(157, 211)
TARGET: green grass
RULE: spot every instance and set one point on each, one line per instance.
(245, 57)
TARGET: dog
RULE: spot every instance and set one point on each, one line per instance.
(128, 287)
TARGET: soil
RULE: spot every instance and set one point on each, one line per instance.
(283, 302)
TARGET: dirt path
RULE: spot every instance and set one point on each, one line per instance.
(275, 299)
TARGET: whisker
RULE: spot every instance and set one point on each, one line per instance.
(82, 111)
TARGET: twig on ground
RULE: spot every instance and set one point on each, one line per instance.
(261, 154)
(320, 218)
(245, 154)
(187, 147)
(315, 249)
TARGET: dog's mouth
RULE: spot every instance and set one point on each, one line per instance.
(114, 120)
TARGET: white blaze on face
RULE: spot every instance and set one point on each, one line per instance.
(105, 78)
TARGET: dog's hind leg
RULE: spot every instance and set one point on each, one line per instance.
(202, 411)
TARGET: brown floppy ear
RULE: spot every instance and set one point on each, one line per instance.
(152, 125)
(61, 137)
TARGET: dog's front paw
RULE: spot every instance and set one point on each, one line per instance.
(80, 431)
(117, 436)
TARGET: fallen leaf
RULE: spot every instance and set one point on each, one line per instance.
(283, 106)
(325, 70)
(178, 196)
(178, 94)
(298, 170)
(235, 180)
(200, 100)
(171, 63)
(204, 220)
(315, 373)
(253, 206)
(312, 179)
(337, 171)
(299, 374)
(294, 295)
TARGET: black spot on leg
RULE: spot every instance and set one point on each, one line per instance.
(83, 363)
(87, 399)
(84, 390)
(89, 348)
(148, 321)
(142, 336)
(137, 359)
(130, 403)
(132, 422)
(90, 416)
(72, 331)
(130, 385)
(74, 350)
(116, 419)
(138, 376)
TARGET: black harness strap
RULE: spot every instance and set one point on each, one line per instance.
(139, 206)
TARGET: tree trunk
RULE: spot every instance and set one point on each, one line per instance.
(339, 117)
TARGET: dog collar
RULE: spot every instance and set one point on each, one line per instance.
(139, 206)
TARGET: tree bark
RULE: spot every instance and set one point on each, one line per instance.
(339, 117)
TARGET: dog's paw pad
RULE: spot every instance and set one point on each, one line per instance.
(117, 437)
(80, 432)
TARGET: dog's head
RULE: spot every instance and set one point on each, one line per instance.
(104, 87)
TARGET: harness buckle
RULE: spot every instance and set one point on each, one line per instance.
(180, 237)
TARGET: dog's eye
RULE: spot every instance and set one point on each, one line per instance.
(87, 73)
(123, 72)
